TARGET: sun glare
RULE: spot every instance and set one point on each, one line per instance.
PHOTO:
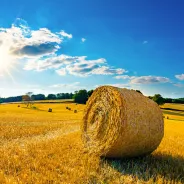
(6, 60)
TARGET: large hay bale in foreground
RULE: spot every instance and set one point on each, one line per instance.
(121, 123)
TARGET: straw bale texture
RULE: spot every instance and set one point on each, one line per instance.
(121, 123)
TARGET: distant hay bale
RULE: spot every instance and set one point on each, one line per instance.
(75, 111)
(49, 110)
(66, 107)
(69, 108)
(121, 123)
(18, 106)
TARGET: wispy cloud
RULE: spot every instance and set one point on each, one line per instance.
(144, 79)
(64, 34)
(83, 39)
(64, 85)
(85, 67)
(52, 62)
(123, 77)
(145, 42)
(178, 85)
(180, 77)
(77, 65)
(68, 86)
(149, 80)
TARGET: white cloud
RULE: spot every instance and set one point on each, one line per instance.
(105, 70)
(52, 62)
(83, 39)
(77, 65)
(21, 41)
(64, 34)
(39, 49)
(179, 85)
(144, 79)
(85, 67)
(180, 77)
(123, 77)
(149, 80)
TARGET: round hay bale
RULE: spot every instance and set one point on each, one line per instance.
(75, 111)
(49, 110)
(66, 107)
(121, 123)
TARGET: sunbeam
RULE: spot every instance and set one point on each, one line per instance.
(7, 61)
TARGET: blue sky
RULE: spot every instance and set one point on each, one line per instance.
(66, 45)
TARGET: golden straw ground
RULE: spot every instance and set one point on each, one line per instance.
(58, 158)
(121, 123)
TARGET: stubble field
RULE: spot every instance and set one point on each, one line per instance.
(41, 147)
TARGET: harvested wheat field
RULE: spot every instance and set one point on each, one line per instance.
(41, 147)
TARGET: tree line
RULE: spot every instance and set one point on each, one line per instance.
(38, 97)
(82, 96)
(160, 100)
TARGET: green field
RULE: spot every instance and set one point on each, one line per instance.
(41, 147)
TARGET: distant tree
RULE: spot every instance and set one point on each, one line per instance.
(1, 100)
(71, 95)
(158, 99)
(90, 92)
(67, 96)
(179, 100)
(64, 96)
(58, 96)
(27, 99)
(81, 96)
(12, 99)
(51, 97)
(168, 100)
(38, 97)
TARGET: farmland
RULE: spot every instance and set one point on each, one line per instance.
(41, 147)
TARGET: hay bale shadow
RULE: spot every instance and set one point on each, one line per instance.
(151, 166)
